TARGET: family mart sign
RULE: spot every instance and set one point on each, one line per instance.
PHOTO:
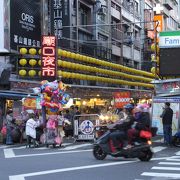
(169, 39)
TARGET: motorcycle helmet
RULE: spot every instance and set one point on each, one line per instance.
(129, 107)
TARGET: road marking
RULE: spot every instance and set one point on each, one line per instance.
(9, 153)
(172, 159)
(3, 146)
(166, 175)
(22, 176)
(169, 163)
(166, 168)
(158, 149)
(76, 146)
(178, 153)
(45, 154)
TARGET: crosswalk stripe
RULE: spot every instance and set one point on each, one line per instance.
(167, 175)
(169, 163)
(172, 159)
(158, 148)
(166, 168)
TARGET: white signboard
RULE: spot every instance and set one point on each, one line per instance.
(157, 121)
(169, 41)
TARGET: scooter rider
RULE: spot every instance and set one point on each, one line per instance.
(122, 126)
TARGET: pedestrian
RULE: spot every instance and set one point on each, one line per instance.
(68, 127)
(9, 123)
(31, 126)
(77, 112)
(167, 116)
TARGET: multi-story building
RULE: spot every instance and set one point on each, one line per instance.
(169, 10)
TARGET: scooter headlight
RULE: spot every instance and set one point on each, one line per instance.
(149, 142)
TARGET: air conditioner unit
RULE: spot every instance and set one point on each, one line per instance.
(102, 11)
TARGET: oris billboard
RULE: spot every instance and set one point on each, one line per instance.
(25, 23)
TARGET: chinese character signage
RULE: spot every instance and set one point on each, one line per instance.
(60, 15)
(121, 99)
(25, 23)
(48, 67)
(168, 87)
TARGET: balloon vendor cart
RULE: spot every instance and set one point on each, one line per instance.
(53, 97)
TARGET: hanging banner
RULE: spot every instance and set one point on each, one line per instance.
(48, 67)
(121, 99)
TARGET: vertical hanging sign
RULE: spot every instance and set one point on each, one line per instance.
(48, 65)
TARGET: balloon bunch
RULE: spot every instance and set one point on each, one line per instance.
(53, 95)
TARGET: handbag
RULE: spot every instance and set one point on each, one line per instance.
(145, 134)
(4, 130)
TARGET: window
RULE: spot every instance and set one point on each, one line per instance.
(83, 16)
(136, 7)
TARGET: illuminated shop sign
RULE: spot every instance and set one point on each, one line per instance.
(48, 67)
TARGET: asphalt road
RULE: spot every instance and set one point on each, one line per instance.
(76, 162)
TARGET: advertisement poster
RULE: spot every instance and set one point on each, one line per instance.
(121, 99)
(157, 120)
(25, 23)
(29, 103)
(17, 109)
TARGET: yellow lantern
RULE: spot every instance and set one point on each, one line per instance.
(153, 57)
(157, 70)
(39, 51)
(32, 73)
(84, 58)
(64, 53)
(59, 62)
(73, 75)
(22, 72)
(23, 51)
(157, 49)
(32, 62)
(77, 56)
(60, 73)
(73, 65)
(22, 62)
(68, 54)
(153, 70)
(32, 51)
(60, 52)
(157, 59)
(80, 57)
(39, 62)
(73, 55)
(39, 73)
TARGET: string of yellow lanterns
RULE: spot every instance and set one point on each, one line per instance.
(77, 66)
(88, 59)
(65, 74)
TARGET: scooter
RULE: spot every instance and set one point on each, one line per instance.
(104, 146)
(176, 139)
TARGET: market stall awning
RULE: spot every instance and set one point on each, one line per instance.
(15, 95)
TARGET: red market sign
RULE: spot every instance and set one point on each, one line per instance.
(121, 99)
(48, 67)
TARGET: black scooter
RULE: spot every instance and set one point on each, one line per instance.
(104, 146)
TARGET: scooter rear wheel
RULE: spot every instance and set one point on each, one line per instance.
(98, 153)
(145, 155)
(176, 141)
